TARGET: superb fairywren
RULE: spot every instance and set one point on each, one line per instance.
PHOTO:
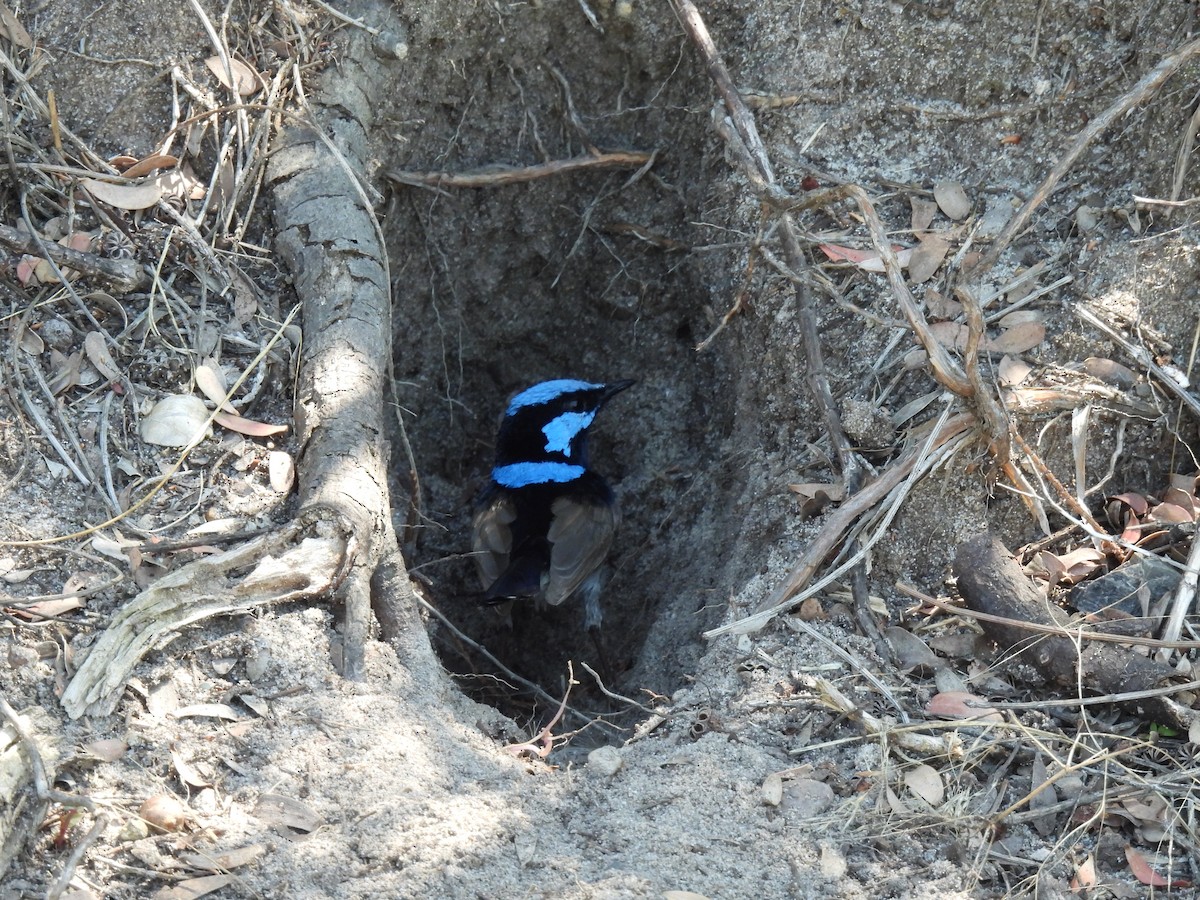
(545, 522)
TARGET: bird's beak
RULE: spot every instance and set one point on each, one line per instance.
(615, 387)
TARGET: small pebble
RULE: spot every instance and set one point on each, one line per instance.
(605, 760)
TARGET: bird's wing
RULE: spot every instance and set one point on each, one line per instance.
(492, 540)
(581, 531)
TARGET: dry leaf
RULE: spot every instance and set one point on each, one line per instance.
(927, 258)
(1042, 799)
(96, 349)
(225, 859)
(911, 652)
(867, 260)
(281, 470)
(1183, 499)
(1085, 875)
(952, 199)
(25, 268)
(176, 421)
(1170, 514)
(1020, 317)
(211, 382)
(275, 809)
(1145, 874)
(208, 710)
(939, 306)
(926, 783)
(12, 29)
(245, 297)
(1110, 372)
(180, 184)
(64, 371)
(923, 212)
(1013, 371)
(193, 888)
(961, 705)
(1185, 483)
(107, 749)
(124, 196)
(31, 342)
(150, 164)
(1135, 502)
(772, 789)
(247, 80)
(816, 496)
(188, 774)
(247, 426)
(1023, 337)
(950, 334)
(894, 803)
(48, 609)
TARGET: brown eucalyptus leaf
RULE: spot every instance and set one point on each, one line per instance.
(247, 81)
(281, 471)
(193, 888)
(925, 782)
(150, 164)
(927, 258)
(960, 705)
(1013, 371)
(175, 421)
(247, 426)
(1023, 337)
(923, 212)
(950, 334)
(12, 29)
(225, 859)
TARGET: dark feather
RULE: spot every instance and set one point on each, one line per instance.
(581, 532)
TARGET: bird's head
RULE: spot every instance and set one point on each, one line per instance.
(549, 422)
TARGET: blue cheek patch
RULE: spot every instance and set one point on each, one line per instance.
(547, 391)
(561, 430)
(518, 475)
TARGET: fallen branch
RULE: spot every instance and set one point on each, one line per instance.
(125, 275)
(991, 581)
(304, 559)
(495, 176)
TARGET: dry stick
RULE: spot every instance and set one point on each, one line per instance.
(1074, 634)
(1139, 94)
(1143, 358)
(82, 845)
(124, 274)
(41, 783)
(752, 153)
(491, 177)
(1185, 594)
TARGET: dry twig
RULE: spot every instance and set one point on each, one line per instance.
(496, 176)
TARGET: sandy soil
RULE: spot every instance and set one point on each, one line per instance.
(735, 777)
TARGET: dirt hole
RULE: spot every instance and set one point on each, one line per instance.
(581, 275)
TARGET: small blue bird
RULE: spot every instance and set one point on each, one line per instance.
(545, 522)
